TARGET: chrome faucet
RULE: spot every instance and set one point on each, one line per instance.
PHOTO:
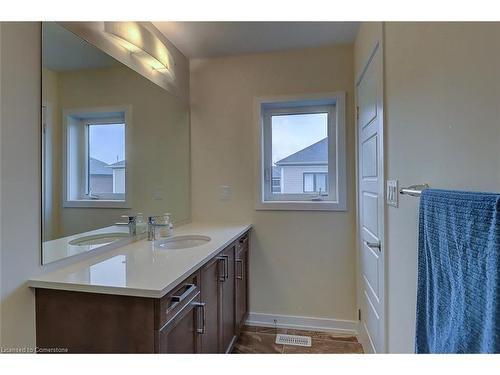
(132, 227)
(152, 225)
(151, 228)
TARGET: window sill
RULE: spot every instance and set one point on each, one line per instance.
(300, 206)
(96, 203)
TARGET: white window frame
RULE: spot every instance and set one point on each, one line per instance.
(76, 121)
(334, 103)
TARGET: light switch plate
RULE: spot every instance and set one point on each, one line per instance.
(392, 193)
(158, 194)
(225, 192)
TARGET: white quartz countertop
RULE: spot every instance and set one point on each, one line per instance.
(140, 268)
(61, 248)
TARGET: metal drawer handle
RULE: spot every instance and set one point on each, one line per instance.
(181, 310)
(200, 328)
(372, 245)
(226, 267)
(239, 275)
(222, 277)
(189, 288)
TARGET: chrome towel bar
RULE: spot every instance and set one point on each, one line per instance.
(414, 190)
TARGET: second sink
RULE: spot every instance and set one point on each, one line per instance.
(182, 242)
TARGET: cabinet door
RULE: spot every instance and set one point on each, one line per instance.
(182, 334)
(228, 310)
(241, 273)
(211, 288)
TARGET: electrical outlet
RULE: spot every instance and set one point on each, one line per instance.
(392, 197)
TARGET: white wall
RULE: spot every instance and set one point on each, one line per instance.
(443, 127)
(302, 263)
(20, 180)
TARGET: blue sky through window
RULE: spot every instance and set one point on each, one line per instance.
(292, 133)
(107, 142)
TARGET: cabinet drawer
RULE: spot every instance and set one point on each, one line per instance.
(169, 305)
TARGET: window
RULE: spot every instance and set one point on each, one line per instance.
(105, 161)
(276, 185)
(302, 153)
(276, 179)
(95, 158)
(315, 183)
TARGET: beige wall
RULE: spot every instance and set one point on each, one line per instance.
(158, 139)
(1, 226)
(20, 180)
(52, 162)
(442, 95)
(369, 33)
(302, 263)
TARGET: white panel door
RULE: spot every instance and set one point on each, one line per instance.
(369, 94)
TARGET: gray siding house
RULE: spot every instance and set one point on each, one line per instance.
(100, 176)
(106, 178)
(305, 171)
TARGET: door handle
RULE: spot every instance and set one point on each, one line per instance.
(239, 275)
(372, 245)
(200, 327)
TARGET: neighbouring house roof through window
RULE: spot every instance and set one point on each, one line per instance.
(316, 154)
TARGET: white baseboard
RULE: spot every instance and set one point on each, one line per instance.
(303, 322)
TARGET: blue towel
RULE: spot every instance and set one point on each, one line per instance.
(458, 293)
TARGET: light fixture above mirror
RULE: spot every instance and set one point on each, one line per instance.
(142, 43)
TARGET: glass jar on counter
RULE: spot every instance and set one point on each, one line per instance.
(162, 226)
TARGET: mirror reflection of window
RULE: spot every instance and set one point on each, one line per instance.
(106, 161)
(95, 157)
(113, 142)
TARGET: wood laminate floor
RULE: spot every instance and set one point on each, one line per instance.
(261, 340)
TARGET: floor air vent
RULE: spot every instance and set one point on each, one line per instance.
(293, 340)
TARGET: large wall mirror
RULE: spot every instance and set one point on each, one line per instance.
(113, 143)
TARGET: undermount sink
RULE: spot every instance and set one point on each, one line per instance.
(182, 242)
(98, 239)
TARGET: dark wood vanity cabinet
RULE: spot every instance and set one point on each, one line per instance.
(203, 314)
(211, 275)
(184, 333)
(241, 282)
(228, 329)
(181, 317)
(218, 293)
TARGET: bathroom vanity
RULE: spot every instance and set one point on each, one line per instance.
(108, 153)
(143, 298)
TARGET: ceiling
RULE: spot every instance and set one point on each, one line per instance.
(211, 39)
(62, 50)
